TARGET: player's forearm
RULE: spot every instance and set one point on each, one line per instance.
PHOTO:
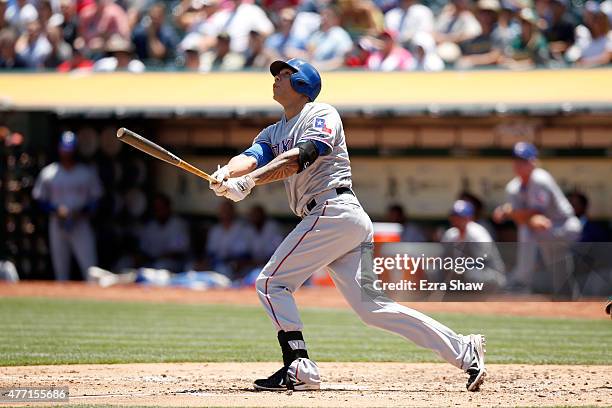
(283, 166)
(522, 216)
(241, 165)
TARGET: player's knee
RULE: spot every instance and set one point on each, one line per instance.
(369, 318)
(260, 283)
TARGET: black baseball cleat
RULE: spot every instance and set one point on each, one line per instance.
(477, 370)
(276, 382)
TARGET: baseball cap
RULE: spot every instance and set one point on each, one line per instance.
(525, 151)
(462, 208)
(68, 141)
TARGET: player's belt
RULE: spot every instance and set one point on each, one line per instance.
(339, 191)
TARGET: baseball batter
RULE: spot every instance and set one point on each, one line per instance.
(307, 150)
(545, 219)
(69, 191)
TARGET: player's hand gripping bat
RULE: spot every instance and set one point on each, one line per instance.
(147, 146)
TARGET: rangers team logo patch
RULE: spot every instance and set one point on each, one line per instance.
(320, 124)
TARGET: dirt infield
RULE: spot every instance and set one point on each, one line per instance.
(306, 297)
(345, 385)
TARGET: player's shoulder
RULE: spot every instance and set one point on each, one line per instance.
(479, 232)
(450, 235)
(321, 110)
(266, 133)
(513, 186)
(316, 109)
(541, 176)
(50, 170)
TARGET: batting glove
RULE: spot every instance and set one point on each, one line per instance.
(238, 188)
(220, 176)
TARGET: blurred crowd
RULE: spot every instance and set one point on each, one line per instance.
(230, 35)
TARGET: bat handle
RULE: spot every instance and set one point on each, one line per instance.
(194, 170)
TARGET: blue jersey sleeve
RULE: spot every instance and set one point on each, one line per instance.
(262, 152)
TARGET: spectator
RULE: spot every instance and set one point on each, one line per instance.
(19, 14)
(221, 58)
(456, 23)
(135, 10)
(486, 48)
(33, 46)
(591, 231)
(121, 57)
(101, 20)
(68, 192)
(45, 13)
(360, 17)
(77, 62)
(228, 245)
(425, 55)
(9, 59)
(4, 23)
(408, 19)
(255, 56)
(189, 14)
(560, 31)
(329, 46)
(391, 56)
(410, 231)
(191, 54)
(266, 236)
(529, 48)
(597, 51)
(154, 39)
(238, 23)
(361, 51)
(60, 50)
(283, 44)
(476, 243)
(164, 240)
(70, 22)
(507, 26)
(305, 24)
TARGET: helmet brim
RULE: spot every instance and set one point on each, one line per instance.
(277, 66)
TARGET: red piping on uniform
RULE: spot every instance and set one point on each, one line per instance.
(281, 263)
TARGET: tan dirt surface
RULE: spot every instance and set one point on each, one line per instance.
(344, 385)
(306, 297)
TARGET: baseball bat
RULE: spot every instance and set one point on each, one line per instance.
(150, 148)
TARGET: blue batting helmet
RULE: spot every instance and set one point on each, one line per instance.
(525, 151)
(305, 79)
(462, 208)
(68, 141)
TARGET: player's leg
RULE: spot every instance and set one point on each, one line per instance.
(60, 251)
(557, 256)
(522, 277)
(317, 240)
(464, 352)
(83, 244)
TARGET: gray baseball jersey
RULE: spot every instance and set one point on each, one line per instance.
(74, 188)
(320, 122)
(330, 235)
(541, 193)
